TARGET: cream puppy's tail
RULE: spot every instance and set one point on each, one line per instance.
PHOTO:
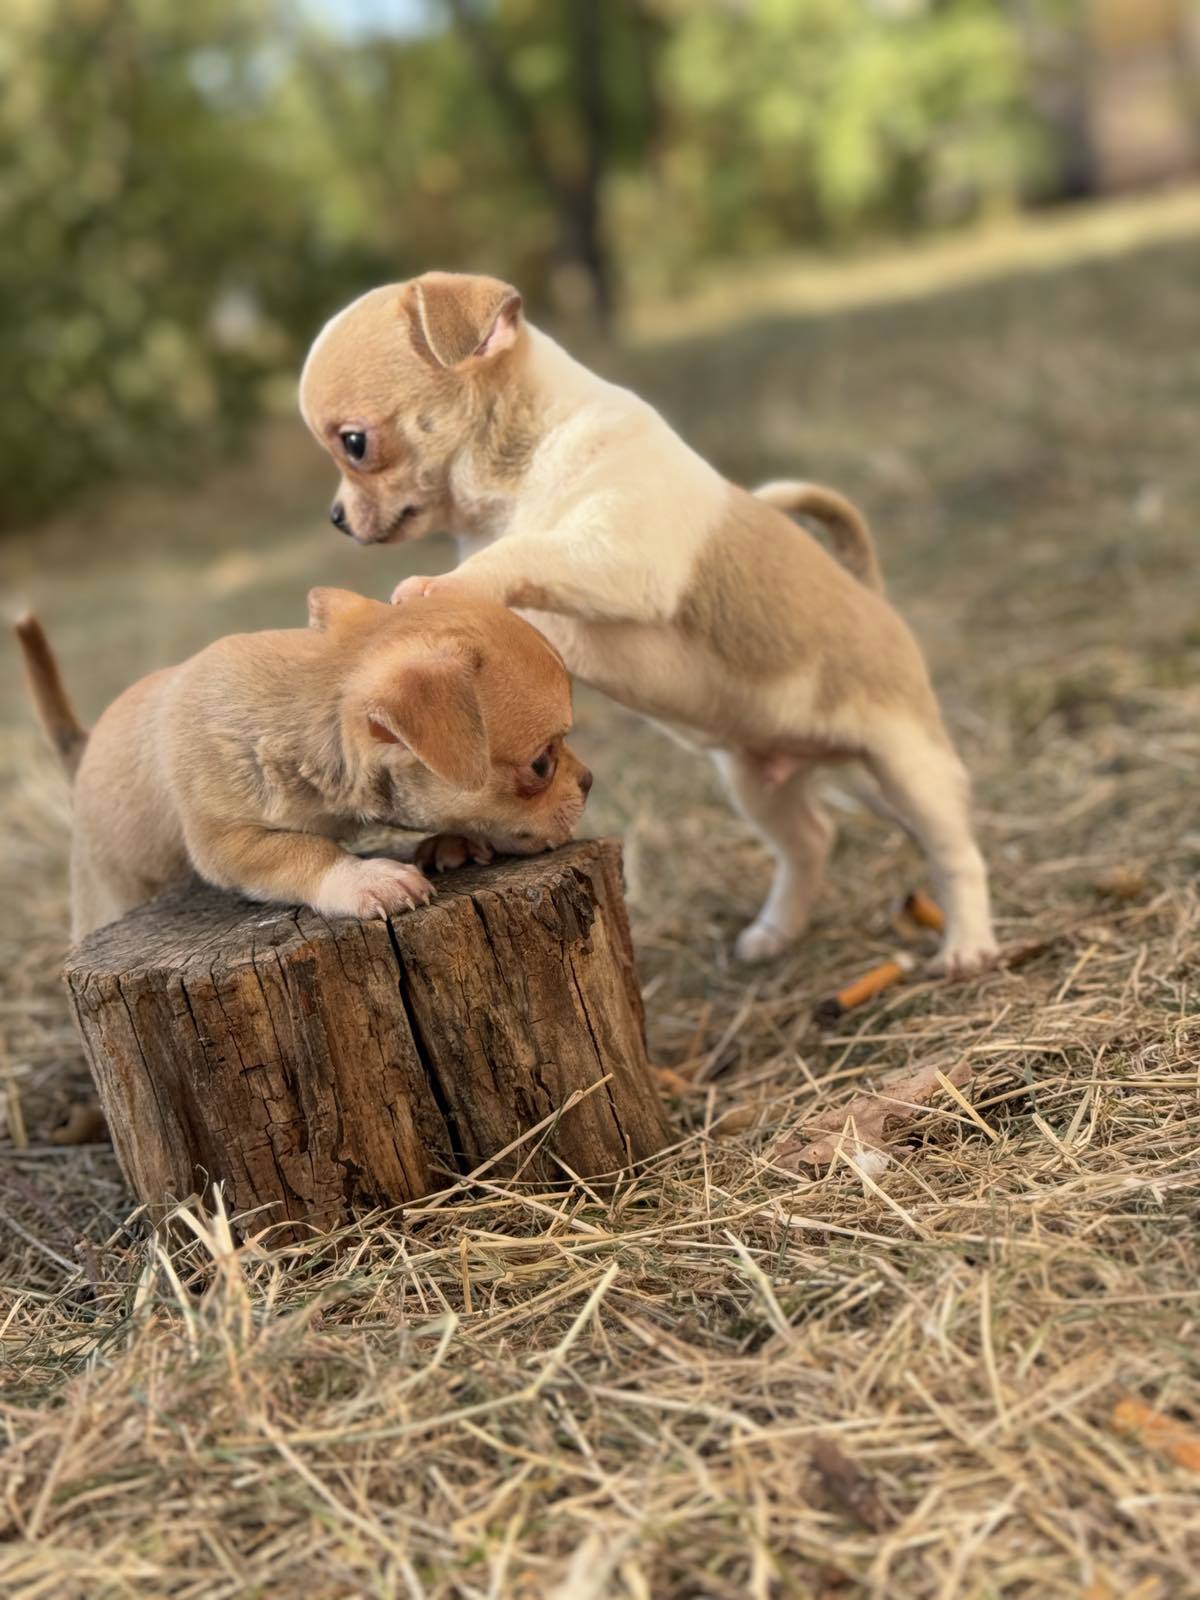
(54, 709)
(844, 522)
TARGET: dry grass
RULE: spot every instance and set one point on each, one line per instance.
(521, 1394)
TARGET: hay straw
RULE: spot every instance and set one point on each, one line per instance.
(518, 1392)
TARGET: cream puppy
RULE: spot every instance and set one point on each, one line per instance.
(247, 763)
(675, 592)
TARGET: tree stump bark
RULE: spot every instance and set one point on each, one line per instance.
(317, 1068)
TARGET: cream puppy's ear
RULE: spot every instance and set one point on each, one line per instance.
(431, 706)
(459, 318)
(330, 608)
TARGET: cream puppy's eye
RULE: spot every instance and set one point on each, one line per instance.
(545, 764)
(354, 444)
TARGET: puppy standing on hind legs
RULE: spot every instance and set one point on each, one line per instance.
(662, 584)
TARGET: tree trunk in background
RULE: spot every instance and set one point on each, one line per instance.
(1121, 87)
(585, 211)
(576, 198)
(1142, 130)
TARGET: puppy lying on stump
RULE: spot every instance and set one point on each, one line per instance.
(321, 1067)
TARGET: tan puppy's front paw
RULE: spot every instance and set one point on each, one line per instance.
(761, 942)
(446, 851)
(961, 958)
(372, 888)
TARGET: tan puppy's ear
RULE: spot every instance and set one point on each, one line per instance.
(460, 318)
(432, 707)
(329, 608)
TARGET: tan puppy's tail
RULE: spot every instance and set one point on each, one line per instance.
(844, 522)
(57, 715)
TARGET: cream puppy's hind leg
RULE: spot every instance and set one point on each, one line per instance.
(924, 780)
(790, 819)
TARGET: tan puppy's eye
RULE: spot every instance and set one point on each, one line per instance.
(354, 444)
(545, 765)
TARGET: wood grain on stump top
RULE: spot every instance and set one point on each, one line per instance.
(319, 1067)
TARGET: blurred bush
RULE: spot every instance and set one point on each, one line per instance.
(186, 190)
(805, 120)
(143, 199)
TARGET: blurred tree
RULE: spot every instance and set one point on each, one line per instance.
(491, 139)
(572, 179)
(186, 191)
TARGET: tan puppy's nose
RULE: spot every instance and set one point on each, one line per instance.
(585, 781)
(337, 515)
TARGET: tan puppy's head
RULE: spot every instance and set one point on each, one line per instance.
(396, 384)
(455, 719)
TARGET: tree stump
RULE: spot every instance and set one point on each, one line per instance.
(317, 1068)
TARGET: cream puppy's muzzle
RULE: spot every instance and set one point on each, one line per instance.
(390, 514)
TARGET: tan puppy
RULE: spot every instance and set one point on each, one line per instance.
(248, 762)
(700, 605)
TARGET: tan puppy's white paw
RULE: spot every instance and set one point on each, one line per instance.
(372, 888)
(445, 851)
(961, 958)
(761, 942)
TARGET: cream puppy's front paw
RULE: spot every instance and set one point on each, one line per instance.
(961, 957)
(761, 942)
(372, 888)
(461, 584)
(417, 588)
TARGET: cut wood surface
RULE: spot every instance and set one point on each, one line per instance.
(321, 1067)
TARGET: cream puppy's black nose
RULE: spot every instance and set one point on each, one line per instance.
(337, 515)
(585, 781)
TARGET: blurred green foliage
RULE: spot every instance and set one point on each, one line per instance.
(140, 183)
(187, 189)
(823, 119)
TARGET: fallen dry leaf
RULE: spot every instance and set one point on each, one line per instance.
(848, 1486)
(84, 1125)
(834, 1583)
(1101, 1589)
(737, 1119)
(1121, 883)
(1159, 1432)
(671, 1082)
(871, 1114)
